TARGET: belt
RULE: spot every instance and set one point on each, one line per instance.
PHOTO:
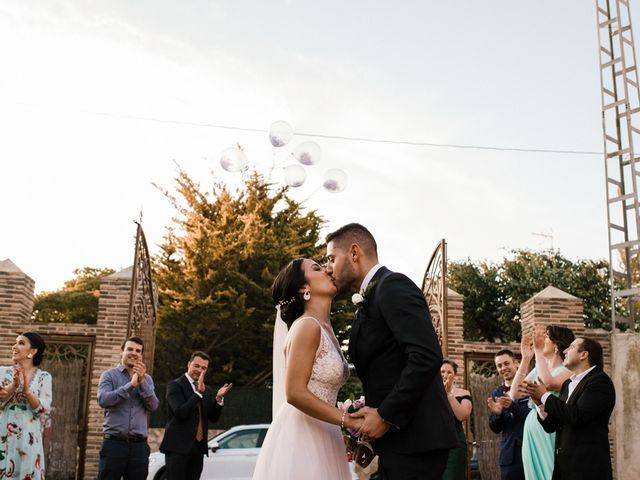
(125, 438)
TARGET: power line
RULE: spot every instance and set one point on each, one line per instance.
(350, 138)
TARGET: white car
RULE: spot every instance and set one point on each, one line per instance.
(232, 455)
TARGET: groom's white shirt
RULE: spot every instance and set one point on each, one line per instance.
(367, 278)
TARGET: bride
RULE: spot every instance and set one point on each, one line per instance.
(304, 439)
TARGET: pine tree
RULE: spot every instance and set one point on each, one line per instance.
(215, 271)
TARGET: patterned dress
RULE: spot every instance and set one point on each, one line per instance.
(21, 449)
(298, 446)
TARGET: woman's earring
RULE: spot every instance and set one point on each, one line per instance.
(29, 355)
(307, 295)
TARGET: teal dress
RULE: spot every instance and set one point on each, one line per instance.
(457, 461)
(538, 445)
(21, 448)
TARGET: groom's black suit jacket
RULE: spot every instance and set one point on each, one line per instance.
(395, 350)
(582, 428)
(180, 432)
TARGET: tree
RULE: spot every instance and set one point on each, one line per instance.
(215, 270)
(494, 292)
(76, 302)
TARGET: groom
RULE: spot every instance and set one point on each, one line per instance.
(395, 350)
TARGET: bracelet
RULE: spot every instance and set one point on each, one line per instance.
(342, 421)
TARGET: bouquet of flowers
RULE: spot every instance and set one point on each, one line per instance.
(357, 450)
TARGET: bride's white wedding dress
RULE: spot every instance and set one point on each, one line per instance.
(298, 446)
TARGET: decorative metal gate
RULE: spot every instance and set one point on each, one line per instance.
(68, 360)
(434, 288)
(143, 300)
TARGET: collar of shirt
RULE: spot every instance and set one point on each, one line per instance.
(192, 382)
(369, 276)
(577, 378)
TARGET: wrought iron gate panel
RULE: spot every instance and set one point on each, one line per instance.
(143, 299)
(434, 288)
(68, 360)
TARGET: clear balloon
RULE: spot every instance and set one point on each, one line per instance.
(233, 159)
(335, 180)
(280, 133)
(294, 175)
(308, 153)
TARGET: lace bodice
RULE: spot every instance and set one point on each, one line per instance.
(330, 368)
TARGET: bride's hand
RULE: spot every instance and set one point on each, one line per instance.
(353, 424)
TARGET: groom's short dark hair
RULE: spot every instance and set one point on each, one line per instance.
(354, 233)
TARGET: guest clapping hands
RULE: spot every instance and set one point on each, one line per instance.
(25, 401)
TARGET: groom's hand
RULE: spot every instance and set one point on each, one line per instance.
(373, 426)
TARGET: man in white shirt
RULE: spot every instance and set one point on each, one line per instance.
(580, 416)
(192, 405)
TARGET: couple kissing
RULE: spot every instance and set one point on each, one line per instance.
(396, 354)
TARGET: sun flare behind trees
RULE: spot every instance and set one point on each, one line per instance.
(214, 274)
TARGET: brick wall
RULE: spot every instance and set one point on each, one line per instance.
(106, 336)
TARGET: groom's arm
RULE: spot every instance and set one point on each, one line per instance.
(406, 313)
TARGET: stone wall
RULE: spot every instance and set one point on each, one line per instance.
(626, 414)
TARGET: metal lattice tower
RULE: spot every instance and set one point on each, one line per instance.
(621, 125)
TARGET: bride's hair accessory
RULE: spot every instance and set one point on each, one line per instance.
(283, 303)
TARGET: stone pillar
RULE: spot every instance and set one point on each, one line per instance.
(16, 306)
(552, 306)
(111, 331)
(455, 333)
(626, 414)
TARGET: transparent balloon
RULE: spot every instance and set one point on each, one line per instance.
(335, 180)
(233, 159)
(280, 133)
(294, 175)
(308, 153)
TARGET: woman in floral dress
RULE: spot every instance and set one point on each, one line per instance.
(25, 402)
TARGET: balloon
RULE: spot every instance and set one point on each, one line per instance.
(294, 175)
(308, 153)
(233, 159)
(280, 133)
(335, 180)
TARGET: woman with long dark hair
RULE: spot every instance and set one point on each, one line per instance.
(304, 439)
(548, 349)
(25, 402)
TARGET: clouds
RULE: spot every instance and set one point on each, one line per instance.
(80, 161)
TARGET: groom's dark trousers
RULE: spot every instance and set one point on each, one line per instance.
(395, 350)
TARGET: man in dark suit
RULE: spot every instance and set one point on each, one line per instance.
(507, 416)
(192, 405)
(395, 350)
(580, 416)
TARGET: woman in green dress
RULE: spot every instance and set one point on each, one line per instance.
(460, 401)
(548, 349)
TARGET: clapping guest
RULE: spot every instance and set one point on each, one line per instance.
(507, 416)
(127, 394)
(25, 401)
(548, 349)
(192, 405)
(460, 402)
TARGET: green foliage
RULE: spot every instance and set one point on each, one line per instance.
(76, 302)
(494, 292)
(215, 271)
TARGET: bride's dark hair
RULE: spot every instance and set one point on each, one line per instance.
(286, 291)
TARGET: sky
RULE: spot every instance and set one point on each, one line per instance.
(101, 100)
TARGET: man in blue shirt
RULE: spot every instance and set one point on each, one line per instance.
(508, 416)
(127, 394)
